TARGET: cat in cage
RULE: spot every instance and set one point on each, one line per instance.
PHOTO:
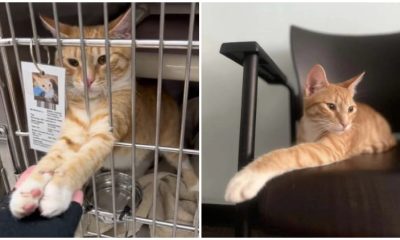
(85, 142)
(45, 90)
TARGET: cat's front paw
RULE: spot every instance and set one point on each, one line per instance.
(29, 190)
(56, 200)
(245, 185)
(25, 199)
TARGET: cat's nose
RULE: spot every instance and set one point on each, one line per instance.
(90, 76)
(90, 81)
(345, 125)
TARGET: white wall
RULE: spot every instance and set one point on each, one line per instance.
(268, 24)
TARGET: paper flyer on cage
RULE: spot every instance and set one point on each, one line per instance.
(44, 88)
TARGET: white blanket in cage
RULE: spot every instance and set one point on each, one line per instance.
(166, 188)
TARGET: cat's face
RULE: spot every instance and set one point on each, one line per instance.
(95, 56)
(44, 82)
(330, 107)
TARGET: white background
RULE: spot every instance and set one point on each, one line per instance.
(268, 24)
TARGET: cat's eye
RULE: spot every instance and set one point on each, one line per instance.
(73, 62)
(351, 109)
(102, 60)
(331, 106)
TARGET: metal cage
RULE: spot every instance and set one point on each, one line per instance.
(14, 147)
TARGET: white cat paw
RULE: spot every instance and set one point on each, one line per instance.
(245, 185)
(25, 198)
(56, 200)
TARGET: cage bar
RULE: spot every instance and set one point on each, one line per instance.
(96, 208)
(13, 101)
(196, 222)
(13, 142)
(13, 41)
(145, 44)
(5, 180)
(38, 57)
(34, 32)
(59, 49)
(158, 111)
(109, 88)
(148, 221)
(57, 25)
(87, 103)
(183, 117)
(91, 234)
(140, 146)
(83, 58)
(133, 113)
(10, 82)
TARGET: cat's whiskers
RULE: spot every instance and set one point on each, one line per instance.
(324, 124)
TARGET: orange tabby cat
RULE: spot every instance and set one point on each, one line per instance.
(85, 143)
(333, 128)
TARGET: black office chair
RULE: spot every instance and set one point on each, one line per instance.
(356, 197)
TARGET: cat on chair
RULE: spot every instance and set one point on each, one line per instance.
(333, 128)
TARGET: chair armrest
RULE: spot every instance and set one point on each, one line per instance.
(267, 69)
(256, 63)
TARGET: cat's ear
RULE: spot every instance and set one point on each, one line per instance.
(35, 77)
(54, 83)
(352, 83)
(121, 27)
(50, 25)
(316, 80)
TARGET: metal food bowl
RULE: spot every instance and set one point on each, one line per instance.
(123, 193)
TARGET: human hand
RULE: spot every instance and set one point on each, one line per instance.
(35, 225)
(77, 197)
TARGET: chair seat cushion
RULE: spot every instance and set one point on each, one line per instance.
(356, 197)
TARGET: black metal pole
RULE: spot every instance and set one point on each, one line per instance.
(294, 113)
(247, 133)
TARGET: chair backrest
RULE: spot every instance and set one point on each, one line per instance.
(345, 56)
